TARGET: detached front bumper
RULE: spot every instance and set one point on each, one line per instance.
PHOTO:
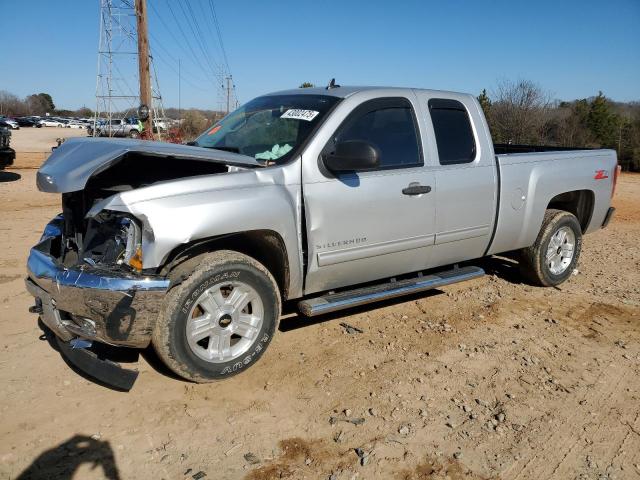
(94, 303)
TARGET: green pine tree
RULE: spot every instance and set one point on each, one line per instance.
(602, 121)
(485, 101)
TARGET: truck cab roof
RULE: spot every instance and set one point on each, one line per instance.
(348, 90)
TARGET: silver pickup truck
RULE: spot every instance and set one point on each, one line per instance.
(324, 198)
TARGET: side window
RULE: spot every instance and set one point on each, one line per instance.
(389, 125)
(454, 135)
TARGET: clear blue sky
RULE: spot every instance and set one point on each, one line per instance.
(571, 48)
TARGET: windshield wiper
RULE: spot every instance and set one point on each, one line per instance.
(226, 149)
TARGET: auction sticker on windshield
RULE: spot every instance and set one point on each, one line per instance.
(298, 114)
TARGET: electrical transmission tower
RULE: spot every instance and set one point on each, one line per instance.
(117, 92)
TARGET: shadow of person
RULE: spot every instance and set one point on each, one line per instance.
(62, 461)
(9, 176)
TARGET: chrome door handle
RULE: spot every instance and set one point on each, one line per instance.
(415, 188)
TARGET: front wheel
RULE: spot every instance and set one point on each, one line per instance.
(220, 320)
(134, 134)
(554, 255)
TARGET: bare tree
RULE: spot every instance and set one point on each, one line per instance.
(519, 112)
(11, 105)
(193, 124)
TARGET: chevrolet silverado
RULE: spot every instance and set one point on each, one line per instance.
(326, 198)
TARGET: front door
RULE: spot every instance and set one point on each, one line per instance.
(364, 226)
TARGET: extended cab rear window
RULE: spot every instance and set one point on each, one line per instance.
(454, 135)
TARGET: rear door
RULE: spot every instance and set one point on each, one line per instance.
(466, 179)
(364, 226)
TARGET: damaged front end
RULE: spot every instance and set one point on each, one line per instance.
(90, 288)
(87, 270)
(94, 290)
(88, 273)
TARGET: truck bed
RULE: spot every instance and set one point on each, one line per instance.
(530, 180)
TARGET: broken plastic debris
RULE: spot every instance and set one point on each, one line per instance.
(350, 329)
(80, 343)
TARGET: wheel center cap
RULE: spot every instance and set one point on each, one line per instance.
(225, 320)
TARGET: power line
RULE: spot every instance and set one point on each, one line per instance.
(211, 34)
(178, 42)
(209, 47)
(217, 25)
(195, 57)
(198, 36)
(180, 76)
(156, 43)
(224, 52)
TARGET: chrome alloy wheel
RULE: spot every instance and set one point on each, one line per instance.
(560, 250)
(224, 321)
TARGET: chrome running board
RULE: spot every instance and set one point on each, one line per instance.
(353, 298)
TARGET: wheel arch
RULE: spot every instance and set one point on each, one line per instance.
(578, 202)
(265, 246)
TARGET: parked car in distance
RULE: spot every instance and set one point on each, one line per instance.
(125, 127)
(11, 122)
(160, 124)
(49, 122)
(329, 198)
(28, 122)
(91, 125)
(75, 124)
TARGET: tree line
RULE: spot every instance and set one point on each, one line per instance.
(37, 104)
(521, 112)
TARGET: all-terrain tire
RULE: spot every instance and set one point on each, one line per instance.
(213, 269)
(534, 263)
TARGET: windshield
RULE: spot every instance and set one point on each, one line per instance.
(268, 128)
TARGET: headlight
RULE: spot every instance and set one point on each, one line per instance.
(113, 238)
(131, 237)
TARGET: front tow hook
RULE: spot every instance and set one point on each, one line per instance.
(37, 308)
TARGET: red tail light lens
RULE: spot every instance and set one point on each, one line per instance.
(616, 174)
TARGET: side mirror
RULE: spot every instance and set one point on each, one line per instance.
(352, 156)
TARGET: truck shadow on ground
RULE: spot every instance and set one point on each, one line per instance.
(62, 461)
(505, 268)
(6, 177)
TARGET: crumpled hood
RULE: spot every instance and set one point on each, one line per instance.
(72, 164)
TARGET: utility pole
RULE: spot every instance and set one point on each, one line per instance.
(179, 92)
(228, 92)
(143, 64)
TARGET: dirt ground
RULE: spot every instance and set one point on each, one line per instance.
(33, 145)
(482, 380)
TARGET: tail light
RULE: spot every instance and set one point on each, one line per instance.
(616, 174)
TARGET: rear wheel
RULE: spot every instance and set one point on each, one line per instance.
(220, 320)
(554, 255)
(134, 134)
